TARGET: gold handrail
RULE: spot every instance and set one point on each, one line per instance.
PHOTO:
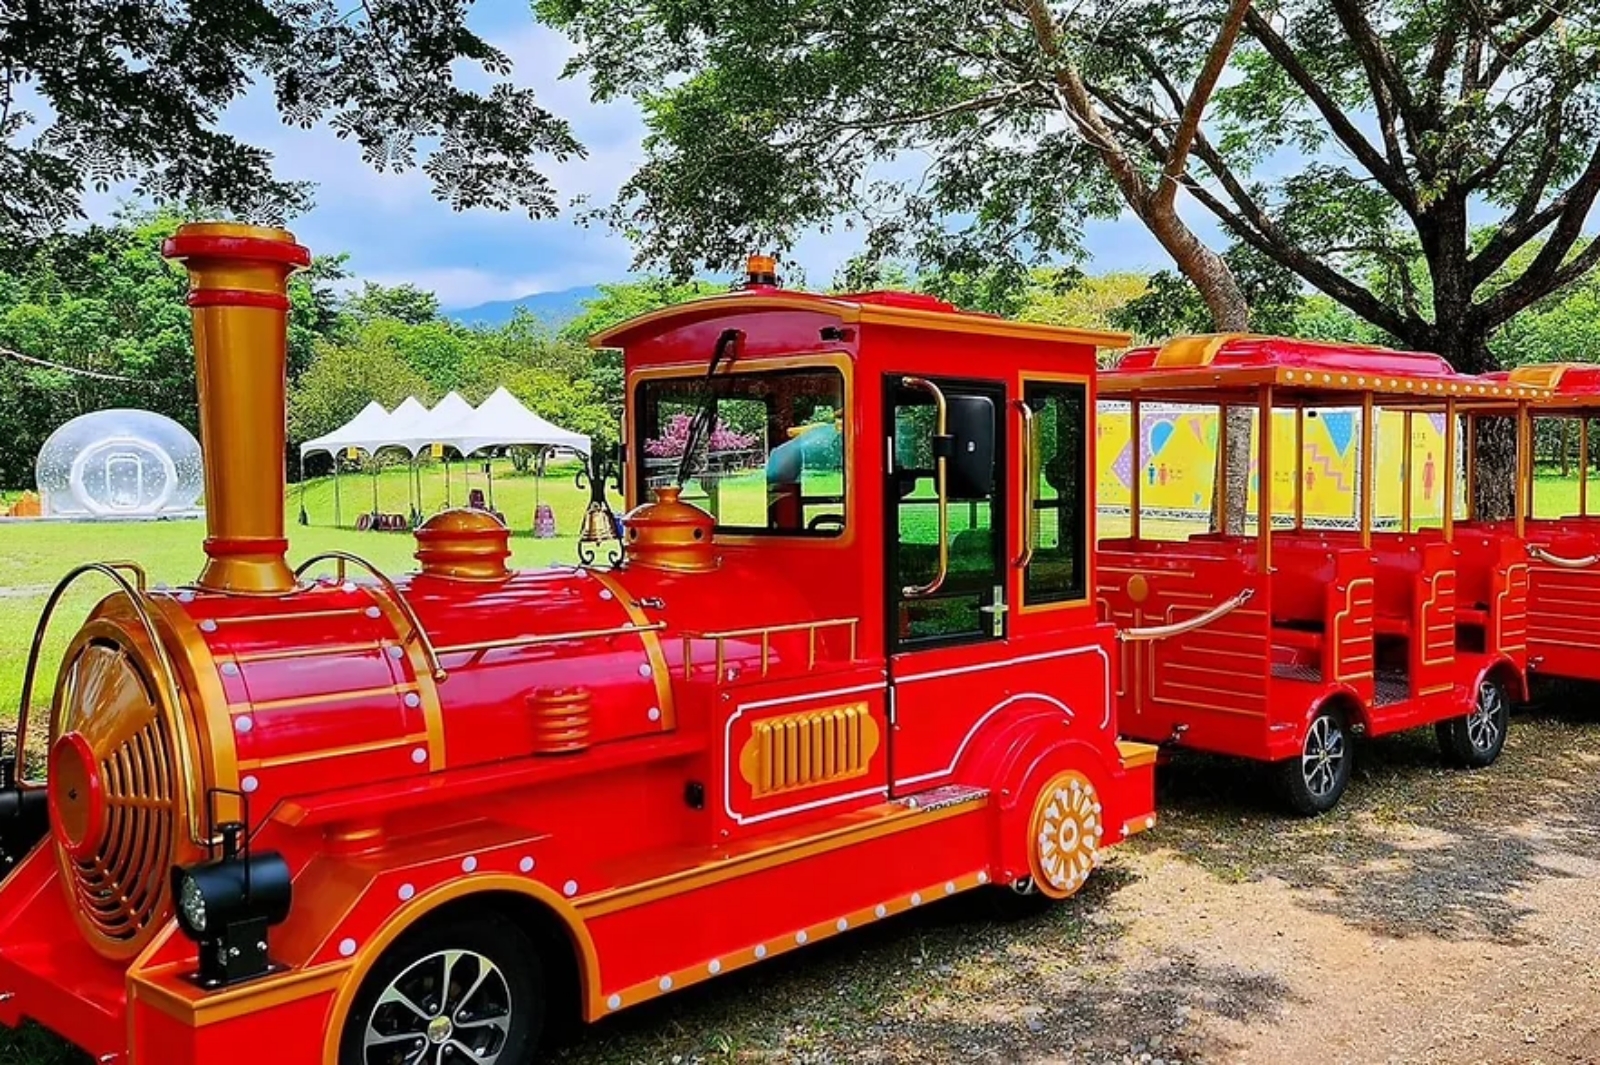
(766, 633)
(1565, 563)
(135, 594)
(1178, 628)
(941, 485)
(1030, 474)
(417, 631)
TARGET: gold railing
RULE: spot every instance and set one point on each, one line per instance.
(134, 592)
(766, 632)
(417, 631)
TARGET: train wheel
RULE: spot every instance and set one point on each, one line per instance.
(1476, 738)
(456, 990)
(1064, 834)
(1314, 782)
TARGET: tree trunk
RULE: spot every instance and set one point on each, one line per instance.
(1495, 443)
(1230, 313)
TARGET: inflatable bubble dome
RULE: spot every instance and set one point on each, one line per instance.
(119, 464)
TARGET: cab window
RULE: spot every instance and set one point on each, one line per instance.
(1059, 523)
(765, 457)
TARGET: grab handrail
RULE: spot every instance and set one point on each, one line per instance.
(1030, 475)
(1178, 628)
(135, 593)
(428, 653)
(1565, 563)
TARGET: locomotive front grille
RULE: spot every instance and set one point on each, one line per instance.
(115, 800)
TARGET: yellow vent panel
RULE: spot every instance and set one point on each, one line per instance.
(809, 749)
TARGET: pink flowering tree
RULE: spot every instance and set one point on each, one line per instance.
(675, 437)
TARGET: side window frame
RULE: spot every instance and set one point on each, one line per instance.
(1038, 593)
(992, 598)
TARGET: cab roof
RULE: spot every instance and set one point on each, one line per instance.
(909, 310)
(1570, 384)
(1310, 371)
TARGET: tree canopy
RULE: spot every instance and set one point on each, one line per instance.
(1349, 145)
(96, 92)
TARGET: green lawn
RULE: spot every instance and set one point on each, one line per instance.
(33, 556)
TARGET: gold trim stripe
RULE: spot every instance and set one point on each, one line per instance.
(333, 752)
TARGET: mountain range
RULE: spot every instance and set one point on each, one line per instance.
(555, 309)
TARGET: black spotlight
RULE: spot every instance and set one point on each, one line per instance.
(227, 904)
(24, 814)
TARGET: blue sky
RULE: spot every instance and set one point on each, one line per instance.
(396, 232)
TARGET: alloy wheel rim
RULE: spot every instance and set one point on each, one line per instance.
(451, 1006)
(1322, 761)
(1484, 722)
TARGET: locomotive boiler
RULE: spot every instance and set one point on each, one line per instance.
(362, 819)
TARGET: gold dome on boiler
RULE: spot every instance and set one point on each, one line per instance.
(670, 534)
(464, 545)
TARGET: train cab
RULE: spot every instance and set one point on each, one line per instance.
(1281, 637)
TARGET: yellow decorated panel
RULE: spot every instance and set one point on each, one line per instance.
(1177, 469)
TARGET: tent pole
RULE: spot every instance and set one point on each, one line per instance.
(336, 514)
(375, 510)
(488, 472)
(447, 480)
(303, 519)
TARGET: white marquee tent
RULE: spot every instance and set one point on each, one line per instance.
(501, 421)
(367, 431)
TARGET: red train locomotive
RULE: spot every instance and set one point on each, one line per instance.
(361, 820)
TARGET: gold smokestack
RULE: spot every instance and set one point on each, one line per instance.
(239, 295)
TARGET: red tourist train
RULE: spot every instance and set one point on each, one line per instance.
(364, 820)
(1280, 642)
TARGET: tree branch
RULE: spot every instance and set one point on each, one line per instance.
(1530, 288)
(1506, 51)
(1345, 130)
(1205, 83)
(1571, 208)
(1390, 95)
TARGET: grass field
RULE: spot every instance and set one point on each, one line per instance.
(33, 556)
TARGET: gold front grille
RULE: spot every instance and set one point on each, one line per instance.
(809, 749)
(120, 823)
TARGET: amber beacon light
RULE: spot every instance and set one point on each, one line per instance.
(239, 297)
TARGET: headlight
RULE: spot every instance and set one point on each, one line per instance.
(226, 906)
(192, 903)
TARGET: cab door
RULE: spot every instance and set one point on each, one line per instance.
(946, 566)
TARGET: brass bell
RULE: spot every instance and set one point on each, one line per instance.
(597, 526)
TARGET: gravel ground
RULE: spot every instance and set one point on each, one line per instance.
(1436, 916)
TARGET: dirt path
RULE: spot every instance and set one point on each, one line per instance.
(1436, 917)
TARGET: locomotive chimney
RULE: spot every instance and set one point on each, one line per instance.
(239, 297)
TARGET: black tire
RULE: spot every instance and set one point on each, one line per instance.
(1313, 781)
(1018, 902)
(490, 970)
(1476, 738)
